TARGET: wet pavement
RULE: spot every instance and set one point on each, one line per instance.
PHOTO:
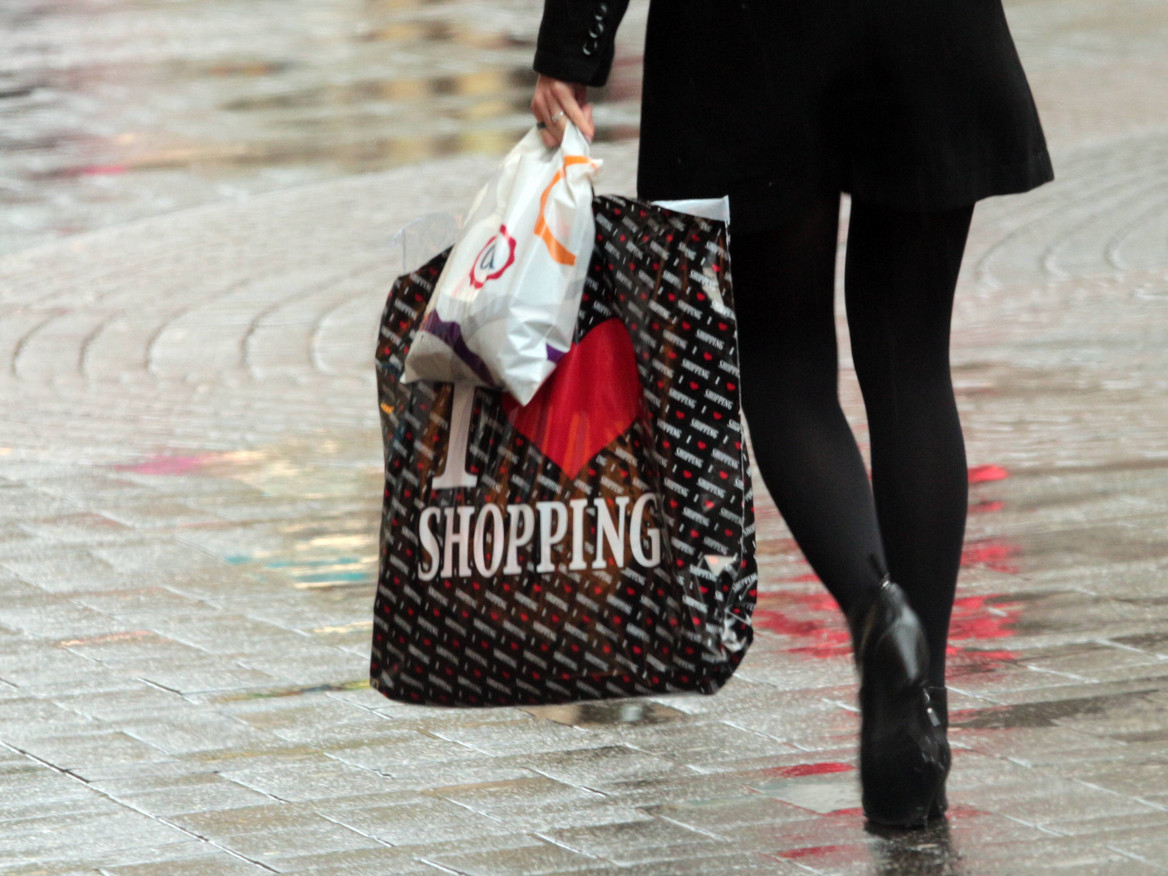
(195, 206)
(113, 111)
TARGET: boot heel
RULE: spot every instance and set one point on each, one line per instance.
(902, 765)
(939, 710)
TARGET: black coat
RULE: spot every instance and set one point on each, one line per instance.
(918, 104)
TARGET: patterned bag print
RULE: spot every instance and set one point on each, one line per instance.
(598, 542)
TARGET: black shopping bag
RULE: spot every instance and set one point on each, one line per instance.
(599, 541)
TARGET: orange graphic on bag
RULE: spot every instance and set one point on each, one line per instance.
(558, 251)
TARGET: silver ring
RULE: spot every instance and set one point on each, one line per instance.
(556, 117)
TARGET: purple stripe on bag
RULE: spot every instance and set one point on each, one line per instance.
(450, 333)
(554, 355)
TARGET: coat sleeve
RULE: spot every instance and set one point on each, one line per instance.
(576, 39)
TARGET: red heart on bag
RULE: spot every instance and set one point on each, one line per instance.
(592, 398)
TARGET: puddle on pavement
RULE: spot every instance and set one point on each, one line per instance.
(118, 110)
(886, 851)
(279, 693)
(334, 486)
(813, 627)
(809, 623)
(606, 713)
(1047, 713)
(931, 851)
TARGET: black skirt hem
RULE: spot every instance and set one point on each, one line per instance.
(765, 204)
(960, 189)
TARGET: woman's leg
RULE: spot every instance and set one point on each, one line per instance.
(901, 273)
(784, 290)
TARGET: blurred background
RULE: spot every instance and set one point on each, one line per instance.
(112, 110)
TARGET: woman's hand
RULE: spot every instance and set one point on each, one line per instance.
(555, 101)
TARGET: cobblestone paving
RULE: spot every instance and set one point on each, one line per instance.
(123, 110)
(189, 460)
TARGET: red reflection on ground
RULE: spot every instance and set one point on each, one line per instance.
(812, 769)
(813, 619)
(102, 169)
(981, 474)
(978, 619)
(996, 554)
(814, 622)
(851, 812)
(816, 840)
(986, 507)
(818, 851)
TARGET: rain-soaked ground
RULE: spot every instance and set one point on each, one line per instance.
(112, 111)
(196, 199)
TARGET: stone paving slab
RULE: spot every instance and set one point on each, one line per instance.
(190, 483)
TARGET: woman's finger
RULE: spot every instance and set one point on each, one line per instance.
(589, 126)
(569, 96)
(544, 106)
(557, 102)
(542, 112)
(553, 127)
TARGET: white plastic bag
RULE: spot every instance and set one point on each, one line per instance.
(505, 306)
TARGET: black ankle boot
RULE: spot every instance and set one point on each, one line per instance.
(939, 704)
(902, 765)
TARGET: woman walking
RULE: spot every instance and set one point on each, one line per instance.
(917, 109)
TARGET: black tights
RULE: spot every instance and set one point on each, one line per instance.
(900, 275)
